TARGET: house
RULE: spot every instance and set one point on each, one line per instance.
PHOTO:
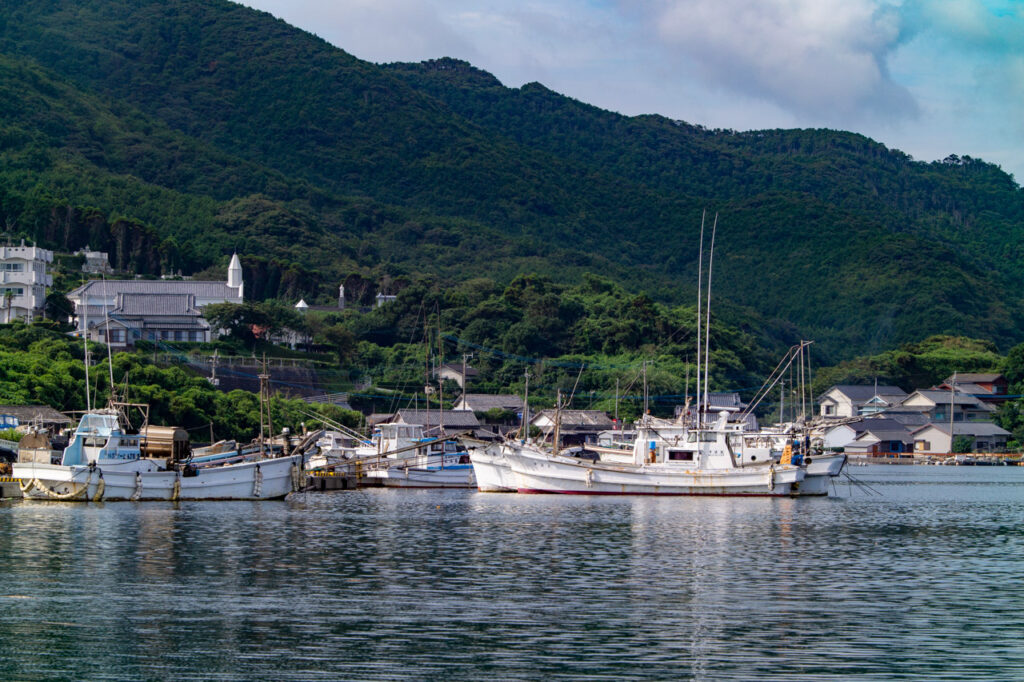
(717, 402)
(23, 282)
(481, 403)
(987, 387)
(152, 317)
(937, 404)
(577, 426)
(16, 416)
(452, 422)
(934, 438)
(882, 438)
(97, 298)
(846, 401)
(384, 299)
(454, 372)
(96, 262)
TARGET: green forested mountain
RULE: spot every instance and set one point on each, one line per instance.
(172, 132)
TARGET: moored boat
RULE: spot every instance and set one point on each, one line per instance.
(103, 462)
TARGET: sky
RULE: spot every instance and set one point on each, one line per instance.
(929, 77)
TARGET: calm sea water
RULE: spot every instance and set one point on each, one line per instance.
(923, 580)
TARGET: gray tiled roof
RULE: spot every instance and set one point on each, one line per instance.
(156, 304)
(588, 419)
(944, 397)
(973, 378)
(451, 419)
(28, 413)
(481, 402)
(857, 393)
(969, 429)
(111, 287)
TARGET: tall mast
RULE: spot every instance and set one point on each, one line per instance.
(558, 422)
(707, 330)
(700, 280)
(85, 341)
(526, 406)
(110, 359)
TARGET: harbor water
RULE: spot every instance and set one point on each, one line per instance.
(918, 577)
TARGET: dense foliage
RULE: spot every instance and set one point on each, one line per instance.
(40, 366)
(171, 133)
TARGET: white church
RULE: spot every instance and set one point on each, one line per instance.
(122, 311)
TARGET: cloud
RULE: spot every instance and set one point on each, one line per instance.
(825, 60)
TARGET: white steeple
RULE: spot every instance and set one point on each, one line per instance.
(235, 275)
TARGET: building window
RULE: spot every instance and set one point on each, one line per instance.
(12, 267)
(13, 291)
(115, 336)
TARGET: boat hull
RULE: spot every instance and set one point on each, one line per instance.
(819, 474)
(541, 473)
(262, 480)
(422, 477)
(492, 470)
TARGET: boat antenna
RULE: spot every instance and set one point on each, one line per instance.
(700, 275)
(707, 330)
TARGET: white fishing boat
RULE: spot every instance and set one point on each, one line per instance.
(334, 448)
(492, 469)
(401, 457)
(700, 462)
(103, 462)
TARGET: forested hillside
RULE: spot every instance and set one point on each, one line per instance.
(171, 133)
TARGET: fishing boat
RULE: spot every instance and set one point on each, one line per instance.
(400, 456)
(491, 468)
(703, 462)
(105, 462)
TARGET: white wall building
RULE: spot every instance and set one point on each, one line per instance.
(23, 282)
(97, 298)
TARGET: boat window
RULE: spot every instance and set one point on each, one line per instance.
(735, 439)
(464, 459)
(680, 455)
(691, 437)
(708, 436)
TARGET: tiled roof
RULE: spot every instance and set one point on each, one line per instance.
(589, 419)
(968, 429)
(28, 413)
(944, 398)
(857, 393)
(450, 418)
(481, 402)
(156, 304)
(112, 287)
(973, 378)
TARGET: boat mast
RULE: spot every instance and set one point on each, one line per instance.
(952, 394)
(707, 330)
(700, 280)
(85, 342)
(110, 360)
(558, 422)
(526, 407)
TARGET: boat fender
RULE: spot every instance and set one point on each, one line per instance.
(101, 487)
(257, 483)
(137, 493)
(807, 460)
(176, 490)
(771, 477)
